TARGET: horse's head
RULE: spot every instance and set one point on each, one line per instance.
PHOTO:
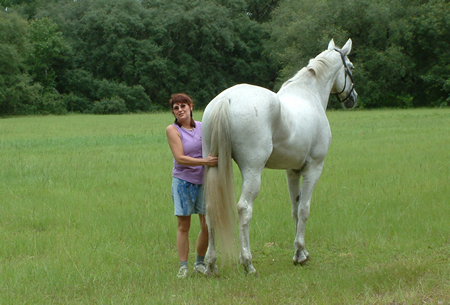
(344, 87)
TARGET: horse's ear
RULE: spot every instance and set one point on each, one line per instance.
(347, 48)
(311, 70)
(331, 45)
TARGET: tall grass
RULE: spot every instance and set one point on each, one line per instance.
(86, 216)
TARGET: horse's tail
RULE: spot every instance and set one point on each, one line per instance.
(219, 181)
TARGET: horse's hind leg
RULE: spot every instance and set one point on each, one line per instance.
(211, 254)
(301, 205)
(251, 183)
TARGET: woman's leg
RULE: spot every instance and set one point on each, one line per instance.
(202, 241)
(184, 223)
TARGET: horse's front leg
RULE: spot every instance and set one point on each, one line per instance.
(310, 177)
(250, 189)
(211, 254)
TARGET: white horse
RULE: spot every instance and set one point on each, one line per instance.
(258, 128)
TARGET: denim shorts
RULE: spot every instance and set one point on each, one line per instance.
(187, 197)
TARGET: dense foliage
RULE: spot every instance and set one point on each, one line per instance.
(400, 48)
(116, 56)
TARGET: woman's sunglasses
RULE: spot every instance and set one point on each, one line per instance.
(178, 107)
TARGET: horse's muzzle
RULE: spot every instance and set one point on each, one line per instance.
(351, 101)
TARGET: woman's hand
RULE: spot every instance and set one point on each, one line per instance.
(211, 161)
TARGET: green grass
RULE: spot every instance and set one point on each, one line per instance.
(86, 216)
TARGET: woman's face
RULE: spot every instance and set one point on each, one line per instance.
(182, 111)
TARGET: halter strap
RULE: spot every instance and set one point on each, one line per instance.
(347, 72)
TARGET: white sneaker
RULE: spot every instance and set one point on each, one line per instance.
(200, 268)
(183, 272)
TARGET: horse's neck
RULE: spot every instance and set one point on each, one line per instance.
(306, 83)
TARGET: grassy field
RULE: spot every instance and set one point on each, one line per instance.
(86, 216)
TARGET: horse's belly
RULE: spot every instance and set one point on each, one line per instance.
(281, 159)
(293, 155)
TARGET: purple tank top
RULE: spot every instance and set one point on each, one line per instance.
(192, 146)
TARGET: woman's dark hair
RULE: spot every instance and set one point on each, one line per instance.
(185, 99)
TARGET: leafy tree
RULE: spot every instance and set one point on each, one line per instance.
(199, 47)
(210, 46)
(25, 8)
(108, 39)
(128, 55)
(49, 49)
(430, 46)
(16, 91)
(297, 34)
(400, 48)
(260, 10)
(114, 105)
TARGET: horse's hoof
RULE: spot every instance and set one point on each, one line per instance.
(301, 259)
(212, 270)
(250, 270)
(302, 263)
(253, 273)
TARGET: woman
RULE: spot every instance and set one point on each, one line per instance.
(185, 141)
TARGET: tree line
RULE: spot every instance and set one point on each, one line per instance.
(117, 56)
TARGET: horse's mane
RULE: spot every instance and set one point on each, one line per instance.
(318, 64)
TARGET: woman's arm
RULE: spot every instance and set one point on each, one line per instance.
(173, 136)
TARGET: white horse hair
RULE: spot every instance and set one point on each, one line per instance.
(258, 128)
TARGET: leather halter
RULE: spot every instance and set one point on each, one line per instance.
(347, 72)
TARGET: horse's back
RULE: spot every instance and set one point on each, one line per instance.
(254, 114)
